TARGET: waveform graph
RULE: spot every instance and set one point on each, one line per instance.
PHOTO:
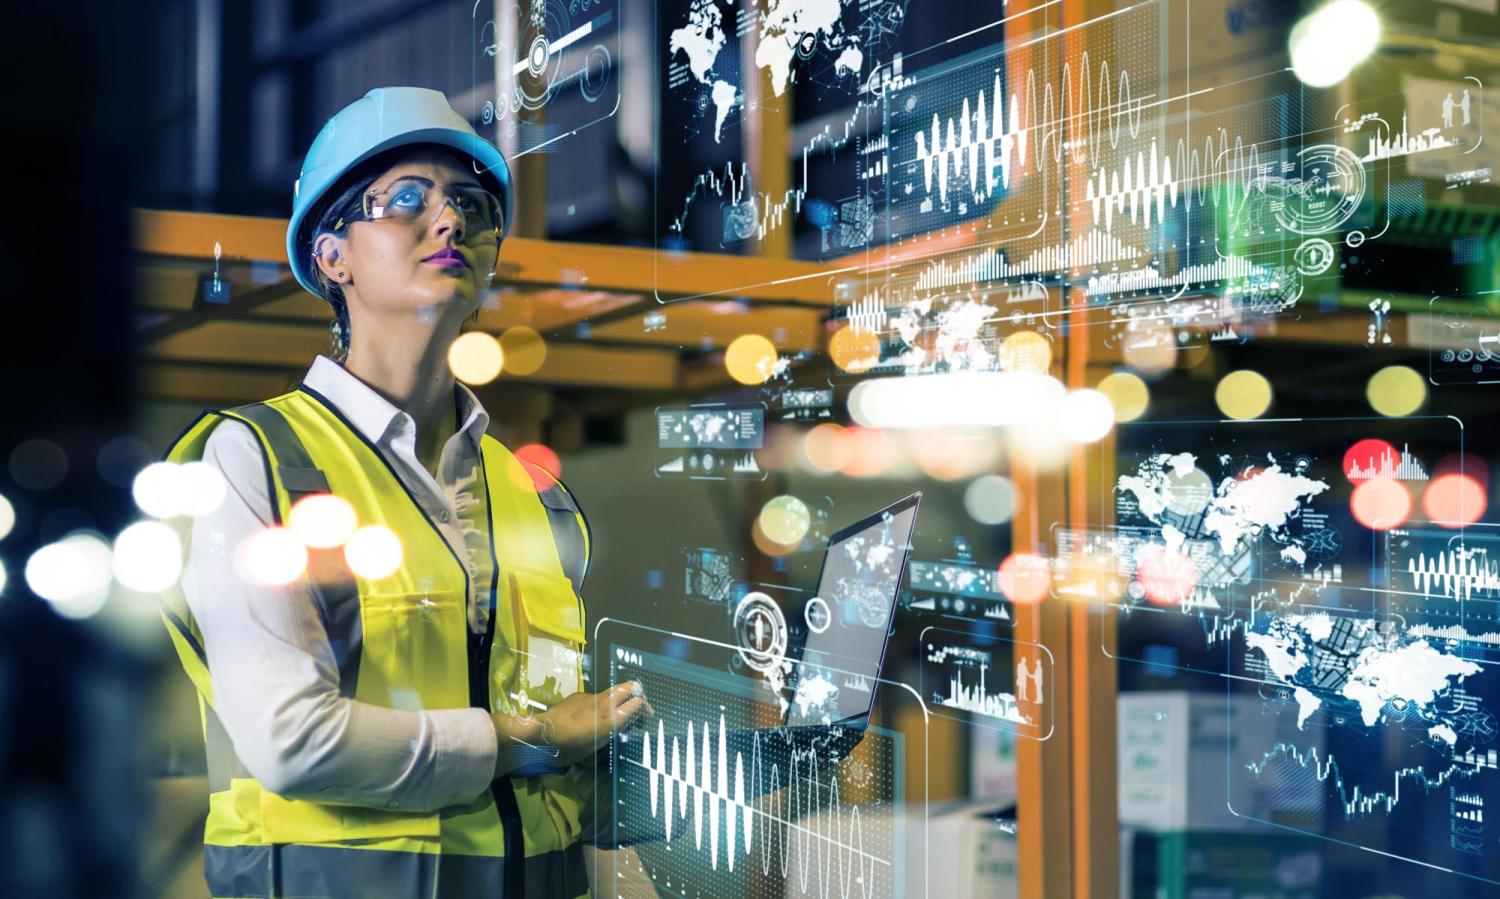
(978, 151)
(1446, 584)
(987, 135)
(719, 800)
(1139, 190)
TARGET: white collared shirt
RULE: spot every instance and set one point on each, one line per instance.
(275, 679)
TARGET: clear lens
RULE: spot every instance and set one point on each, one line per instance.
(413, 200)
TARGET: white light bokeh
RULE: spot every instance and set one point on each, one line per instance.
(157, 489)
(1086, 415)
(274, 556)
(72, 574)
(990, 499)
(322, 520)
(148, 557)
(201, 488)
(7, 516)
(964, 399)
(1326, 45)
(373, 552)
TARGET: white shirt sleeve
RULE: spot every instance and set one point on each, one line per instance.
(275, 678)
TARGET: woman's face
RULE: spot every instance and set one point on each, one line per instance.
(432, 266)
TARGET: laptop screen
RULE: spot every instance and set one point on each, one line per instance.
(847, 625)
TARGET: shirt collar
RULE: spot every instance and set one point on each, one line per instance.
(372, 414)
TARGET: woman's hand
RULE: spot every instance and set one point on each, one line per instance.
(569, 732)
(576, 727)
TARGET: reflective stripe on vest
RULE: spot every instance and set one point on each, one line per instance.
(402, 642)
(333, 872)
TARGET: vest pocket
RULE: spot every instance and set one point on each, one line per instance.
(550, 604)
(414, 650)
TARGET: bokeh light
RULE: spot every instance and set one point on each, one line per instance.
(373, 552)
(1395, 391)
(750, 359)
(1380, 503)
(1166, 575)
(273, 556)
(826, 449)
(871, 453)
(475, 358)
(1026, 351)
(7, 517)
(72, 574)
(1086, 416)
(1465, 464)
(148, 557)
(785, 520)
(119, 459)
(1127, 393)
(1454, 500)
(1025, 578)
(990, 499)
(1243, 395)
(4, 576)
(1189, 491)
(38, 464)
(523, 349)
(952, 454)
(322, 520)
(200, 488)
(1329, 42)
(157, 490)
(766, 545)
(854, 350)
(540, 456)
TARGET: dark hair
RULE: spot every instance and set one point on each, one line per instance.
(344, 198)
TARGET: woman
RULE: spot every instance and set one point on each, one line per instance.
(375, 733)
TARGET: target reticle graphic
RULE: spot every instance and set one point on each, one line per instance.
(1313, 256)
(760, 631)
(537, 51)
(818, 615)
(1327, 189)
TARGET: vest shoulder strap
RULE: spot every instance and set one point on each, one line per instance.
(294, 466)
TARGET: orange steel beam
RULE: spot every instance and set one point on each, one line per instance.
(668, 274)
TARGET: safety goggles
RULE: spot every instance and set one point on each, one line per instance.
(417, 200)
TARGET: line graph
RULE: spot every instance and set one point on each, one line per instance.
(689, 776)
(733, 183)
(1357, 801)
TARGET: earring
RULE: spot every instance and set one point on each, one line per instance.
(341, 276)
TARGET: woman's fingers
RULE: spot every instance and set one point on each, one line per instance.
(629, 710)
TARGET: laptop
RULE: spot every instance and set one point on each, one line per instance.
(847, 626)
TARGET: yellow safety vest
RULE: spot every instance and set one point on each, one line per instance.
(403, 641)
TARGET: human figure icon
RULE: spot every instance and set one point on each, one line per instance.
(1029, 675)
(1463, 106)
(1448, 111)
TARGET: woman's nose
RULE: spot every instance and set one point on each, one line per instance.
(449, 219)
